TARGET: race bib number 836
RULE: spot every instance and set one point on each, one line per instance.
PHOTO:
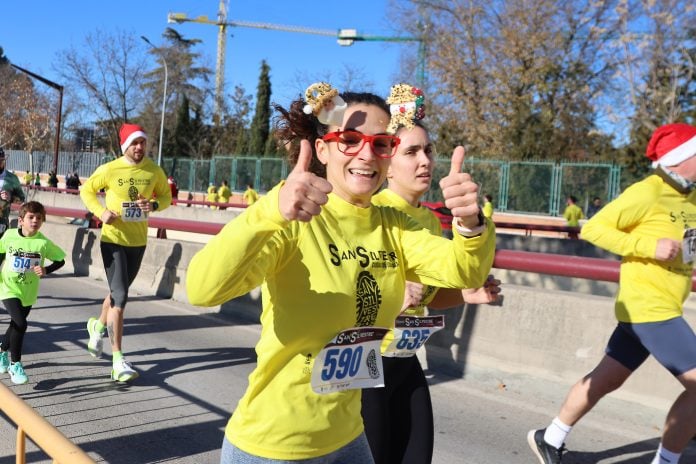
(410, 333)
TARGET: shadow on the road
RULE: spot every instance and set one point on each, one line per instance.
(438, 350)
(185, 425)
(646, 450)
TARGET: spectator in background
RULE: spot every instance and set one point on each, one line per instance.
(572, 214)
(173, 188)
(250, 196)
(72, 181)
(224, 194)
(487, 207)
(37, 180)
(52, 179)
(212, 196)
(28, 178)
(10, 192)
(595, 206)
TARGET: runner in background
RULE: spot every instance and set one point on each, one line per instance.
(250, 196)
(399, 417)
(652, 225)
(224, 194)
(23, 252)
(11, 191)
(135, 187)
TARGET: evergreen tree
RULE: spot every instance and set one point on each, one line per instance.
(182, 132)
(260, 125)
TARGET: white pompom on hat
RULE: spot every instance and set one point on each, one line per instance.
(128, 133)
(671, 144)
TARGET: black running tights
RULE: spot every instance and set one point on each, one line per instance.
(14, 337)
(399, 417)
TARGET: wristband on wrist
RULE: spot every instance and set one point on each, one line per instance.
(467, 232)
(154, 205)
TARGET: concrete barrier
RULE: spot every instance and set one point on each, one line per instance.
(549, 327)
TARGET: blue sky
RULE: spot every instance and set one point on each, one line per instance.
(33, 32)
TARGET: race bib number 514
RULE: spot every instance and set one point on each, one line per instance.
(350, 360)
(23, 261)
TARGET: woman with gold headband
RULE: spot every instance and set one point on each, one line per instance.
(332, 268)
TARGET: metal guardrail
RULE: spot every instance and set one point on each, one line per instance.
(525, 261)
(45, 435)
(445, 217)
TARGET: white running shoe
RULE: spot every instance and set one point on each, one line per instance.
(17, 374)
(95, 345)
(123, 371)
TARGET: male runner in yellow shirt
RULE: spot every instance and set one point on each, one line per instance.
(135, 186)
(653, 226)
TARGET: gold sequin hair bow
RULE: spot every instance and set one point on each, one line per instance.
(324, 102)
(406, 105)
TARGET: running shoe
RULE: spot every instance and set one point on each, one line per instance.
(123, 371)
(96, 338)
(17, 374)
(546, 453)
(4, 361)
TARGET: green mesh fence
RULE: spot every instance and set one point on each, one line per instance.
(533, 187)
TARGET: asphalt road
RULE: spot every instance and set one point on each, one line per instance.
(194, 366)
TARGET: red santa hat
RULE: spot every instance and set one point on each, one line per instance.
(672, 144)
(128, 133)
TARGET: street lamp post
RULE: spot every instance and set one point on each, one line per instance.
(346, 38)
(59, 88)
(164, 99)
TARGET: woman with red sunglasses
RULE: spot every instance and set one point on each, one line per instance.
(332, 269)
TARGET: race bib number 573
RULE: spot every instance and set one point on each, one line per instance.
(131, 212)
(350, 360)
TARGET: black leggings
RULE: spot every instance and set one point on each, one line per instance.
(399, 417)
(122, 264)
(14, 337)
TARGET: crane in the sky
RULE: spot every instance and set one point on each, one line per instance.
(345, 37)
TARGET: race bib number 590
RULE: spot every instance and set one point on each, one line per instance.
(350, 360)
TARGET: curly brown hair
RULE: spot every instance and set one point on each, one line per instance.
(293, 125)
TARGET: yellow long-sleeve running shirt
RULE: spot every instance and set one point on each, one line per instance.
(630, 226)
(123, 182)
(346, 267)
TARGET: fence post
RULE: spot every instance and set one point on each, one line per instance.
(504, 186)
(556, 190)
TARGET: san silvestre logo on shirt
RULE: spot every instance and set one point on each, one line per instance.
(366, 258)
(132, 182)
(686, 217)
(19, 251)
